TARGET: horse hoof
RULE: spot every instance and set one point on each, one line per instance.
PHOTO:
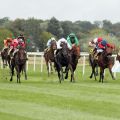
(90, 77)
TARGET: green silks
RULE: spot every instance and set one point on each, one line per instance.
(75, 38)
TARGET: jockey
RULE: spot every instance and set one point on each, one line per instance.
(49, 43)
(13, 45)
(62, 40)
(19, 43)
(21, 36)
(7, 42)
(94, 43)
(65, 41)
(72, 40)
(100, 48)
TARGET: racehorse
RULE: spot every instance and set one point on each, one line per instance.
(19, 63)
(91, 60)
(63, 59)
(4, 55)
(49, 56)
(104, 61)
(75, 55)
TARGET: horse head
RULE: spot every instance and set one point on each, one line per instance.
(53, 45)
(22, 54)
(64, 49)
(4, 53)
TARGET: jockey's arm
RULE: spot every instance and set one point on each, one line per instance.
(76, 41)
(69, 42)
(69, 47)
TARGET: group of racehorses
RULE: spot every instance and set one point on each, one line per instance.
(69, 59)
(17, 61)
(61, 58)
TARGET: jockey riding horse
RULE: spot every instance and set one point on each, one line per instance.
(49, 55)
(19, 63)
(104, 61)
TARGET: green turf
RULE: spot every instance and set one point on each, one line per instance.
(43, 98)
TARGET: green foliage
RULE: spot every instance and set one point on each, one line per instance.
(44, 37)
(67, 28)
(55, 28)
(38, 31)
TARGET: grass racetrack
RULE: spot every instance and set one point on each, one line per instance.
(43, 98)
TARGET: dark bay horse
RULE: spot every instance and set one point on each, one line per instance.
(104, 61)
(49, 56)
(4, 55)
(63, 59)
(75, 55)
(19, 63)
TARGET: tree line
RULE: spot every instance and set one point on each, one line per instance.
(38, 31)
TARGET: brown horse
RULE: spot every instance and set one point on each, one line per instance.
(49, 56)
(75, 55)
(4, 55)
(104, 61)
(19, 63)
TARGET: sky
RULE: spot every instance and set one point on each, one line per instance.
(73, 10)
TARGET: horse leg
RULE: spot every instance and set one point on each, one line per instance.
(72, 74)
(61, 69)
(24, 68)
(59, 76)
(6, 61)
(66, 71)
(12, 72)
(96, 72)
(9, 62)
(3, 63)
(111, 72)
(18, 74)
(101, 74)
(47, 67)
(93, 72)
(51, 67)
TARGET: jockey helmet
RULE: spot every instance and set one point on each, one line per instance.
(104, 42)
(99, 39)
(21, 35)
(72, 35)
(52, 38)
